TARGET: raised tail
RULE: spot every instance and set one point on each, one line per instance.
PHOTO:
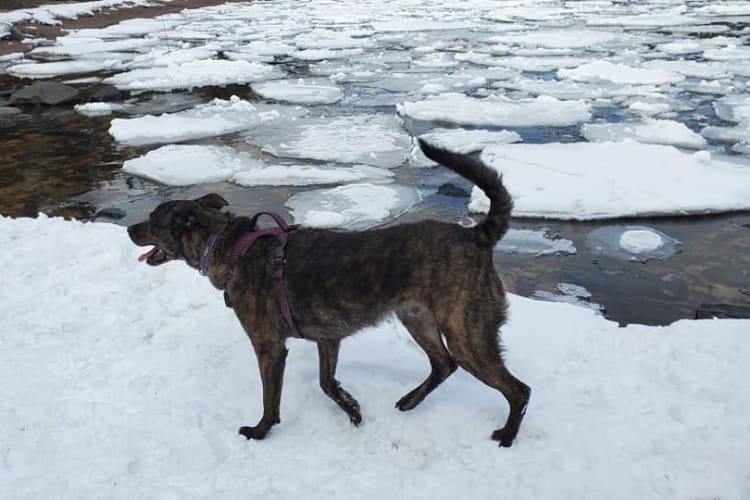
(495, 225)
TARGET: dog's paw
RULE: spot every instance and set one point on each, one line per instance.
(505, 437)
(355, 417)
(408, 402)
(256, 432)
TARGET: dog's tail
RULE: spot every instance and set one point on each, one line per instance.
(495, 225)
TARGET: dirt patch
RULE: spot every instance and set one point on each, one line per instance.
(100, 19)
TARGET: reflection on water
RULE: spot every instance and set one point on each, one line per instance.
(61, 163)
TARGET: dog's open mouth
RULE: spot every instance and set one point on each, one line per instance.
(154, 257)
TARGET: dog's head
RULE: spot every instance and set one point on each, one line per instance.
(177, 229)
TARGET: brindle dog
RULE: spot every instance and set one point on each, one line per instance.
(438, 278)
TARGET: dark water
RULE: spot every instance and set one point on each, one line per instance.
(61, 163)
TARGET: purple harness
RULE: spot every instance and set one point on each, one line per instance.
(245, 241)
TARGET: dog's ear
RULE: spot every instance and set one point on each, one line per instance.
(212, 200)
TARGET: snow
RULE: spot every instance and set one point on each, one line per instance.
(146, 377)
(497, 111)
(301, 91)
(650, 132)
(641, 241)
(99, 108)
(352, 206)
(586, 181)
(217, 117)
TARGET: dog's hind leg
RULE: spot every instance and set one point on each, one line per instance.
(478, 353)
(328, 353)
(421, 324)
(271, 362)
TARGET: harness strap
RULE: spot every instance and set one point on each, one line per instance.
(243, 245)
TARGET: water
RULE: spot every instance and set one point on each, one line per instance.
(62, 163)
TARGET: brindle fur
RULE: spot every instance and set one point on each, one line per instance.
(438, 278)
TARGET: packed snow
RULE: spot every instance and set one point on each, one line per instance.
(126, 381)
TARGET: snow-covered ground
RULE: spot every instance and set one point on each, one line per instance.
(124, 381)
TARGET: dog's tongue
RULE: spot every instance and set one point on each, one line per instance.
(148, 254)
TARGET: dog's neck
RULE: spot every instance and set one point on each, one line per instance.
(216, 249)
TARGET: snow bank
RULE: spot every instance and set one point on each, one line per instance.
(124, 381)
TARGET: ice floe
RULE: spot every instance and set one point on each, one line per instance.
(534, 242)
(352, 206)
(217, 117)
(585, 181)
(469, 141)
(184, 164)
(191, 74)
(569, 294)
(634, 243)
(619, 73)
(497, 111)
(650, 131)
(52, 69)
(377, 140)
(300, 91)
(275, 174)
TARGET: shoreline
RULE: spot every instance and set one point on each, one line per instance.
(100, 19)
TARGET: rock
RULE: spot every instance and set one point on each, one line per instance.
(106, 93)
(15, 34)
(111, 213)
(51, 93)
(7, 112)
(452, 190)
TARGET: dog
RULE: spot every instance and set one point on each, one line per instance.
(324, 285)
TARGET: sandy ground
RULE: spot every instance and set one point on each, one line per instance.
(99, 20)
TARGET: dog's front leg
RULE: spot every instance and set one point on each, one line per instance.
(271, 362)
(328, 353)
